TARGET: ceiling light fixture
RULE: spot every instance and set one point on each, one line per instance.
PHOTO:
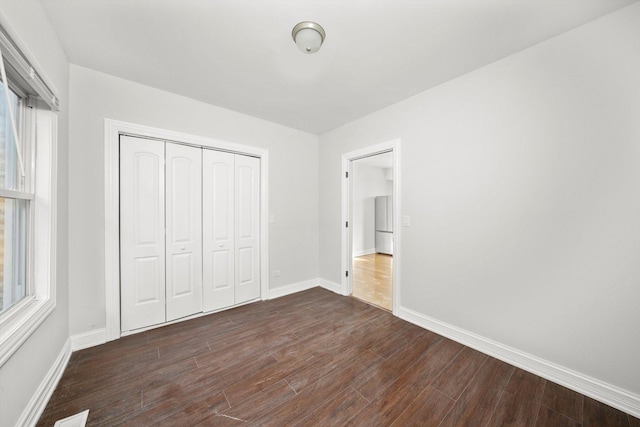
(308, 36)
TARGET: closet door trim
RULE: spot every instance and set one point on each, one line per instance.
(113, 129)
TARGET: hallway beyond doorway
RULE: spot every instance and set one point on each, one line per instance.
(372, 279)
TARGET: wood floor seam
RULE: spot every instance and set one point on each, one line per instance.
(292, 389)
(226, 398)
(535, 421)
(445, 416)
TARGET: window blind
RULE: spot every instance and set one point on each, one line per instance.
(19, 62)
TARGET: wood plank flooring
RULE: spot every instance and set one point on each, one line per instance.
(310, 359)
(372, 279)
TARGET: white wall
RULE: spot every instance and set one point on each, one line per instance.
(522, 181)
(368, 182)
(21, 375)
(293, 179)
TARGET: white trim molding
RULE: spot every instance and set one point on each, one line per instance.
(112, 131)
(596, 389)
(27, 317)
(330, 286)
(364, 252)
(292, 288)
(346, 286)
(40, 398)
(88, 339)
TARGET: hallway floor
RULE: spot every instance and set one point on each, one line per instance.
(372, 279)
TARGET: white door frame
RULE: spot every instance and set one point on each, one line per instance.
(347, 233)
(112, 131)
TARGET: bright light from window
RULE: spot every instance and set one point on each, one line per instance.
(13, 214)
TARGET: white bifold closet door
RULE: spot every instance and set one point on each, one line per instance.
(142, 248)
(247, 206)
(231, 229)
(160, 232)
(218, 225)
(183, 177)
(189, 231)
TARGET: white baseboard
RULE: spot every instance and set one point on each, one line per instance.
(331, 286)
(38, 402)
(364, 252)
(596, 389)
(88, 339)
(292, 288)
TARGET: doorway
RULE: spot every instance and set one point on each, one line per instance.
(371, 249)
(372, 229)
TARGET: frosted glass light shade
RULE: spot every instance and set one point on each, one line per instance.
(308, 36)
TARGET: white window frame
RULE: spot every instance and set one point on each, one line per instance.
(21, 320)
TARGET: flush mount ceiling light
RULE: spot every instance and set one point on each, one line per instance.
(308, 36)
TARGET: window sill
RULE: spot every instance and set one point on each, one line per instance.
(15, 331)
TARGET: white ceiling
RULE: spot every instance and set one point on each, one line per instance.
(238, 54)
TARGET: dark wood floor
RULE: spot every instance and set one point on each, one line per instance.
(313, 358)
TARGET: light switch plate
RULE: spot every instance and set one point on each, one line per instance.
(272, 219)
(406, 221)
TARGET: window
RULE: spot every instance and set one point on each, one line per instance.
(15, 204)
(27, 197)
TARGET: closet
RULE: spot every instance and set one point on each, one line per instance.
(189, 230)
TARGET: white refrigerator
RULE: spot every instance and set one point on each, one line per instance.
(384, 225)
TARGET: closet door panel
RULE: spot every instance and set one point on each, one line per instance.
(247, 202)
(142, 254)
(218, 185)
(184, 230)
